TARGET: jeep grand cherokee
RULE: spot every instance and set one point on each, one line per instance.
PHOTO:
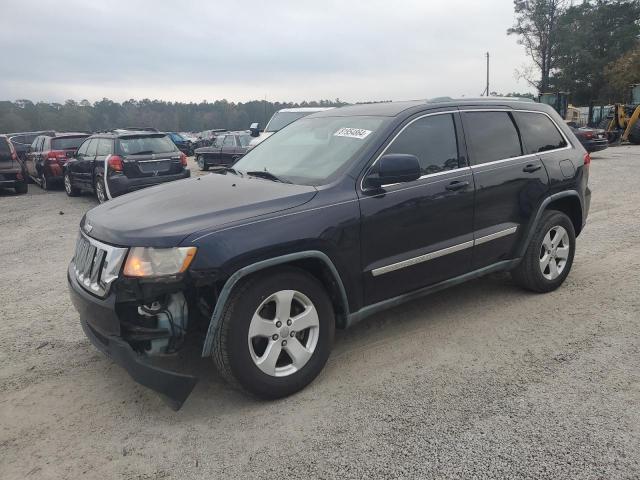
(337, 216)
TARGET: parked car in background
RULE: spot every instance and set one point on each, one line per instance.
(23, 140)
(12, 170)
(184, 145)
(592, 139)
(225, 150)
(113, 163)
(279, 120)
(48, 155)
(339, 216)
(207, 137)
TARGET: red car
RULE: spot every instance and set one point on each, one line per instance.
(48, 155)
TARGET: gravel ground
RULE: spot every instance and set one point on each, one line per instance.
(480, 381)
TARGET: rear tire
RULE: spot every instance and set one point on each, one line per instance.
(549, 256)
(44, 183)
(634, 134)
(70, 190)
(101, 192)
(254, 329)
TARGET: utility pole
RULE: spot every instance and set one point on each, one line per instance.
(487, 89)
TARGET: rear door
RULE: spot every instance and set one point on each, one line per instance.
(103, 150)
(85, 164)
(149, 155)
(510, 184)
(32, 156)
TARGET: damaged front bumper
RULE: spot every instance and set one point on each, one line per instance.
(102, 326)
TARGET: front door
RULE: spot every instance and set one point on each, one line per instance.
(419, 233)
(228, 151)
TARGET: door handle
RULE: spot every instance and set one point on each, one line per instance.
(530, 168)
(456, 185)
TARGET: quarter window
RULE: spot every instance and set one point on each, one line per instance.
(433, 140)
(539, 134)
(491, 136)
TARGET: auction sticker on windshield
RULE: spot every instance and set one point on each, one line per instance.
(352, 133)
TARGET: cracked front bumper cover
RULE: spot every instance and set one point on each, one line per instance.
(172, 386)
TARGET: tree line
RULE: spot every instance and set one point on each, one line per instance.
(590, 49)
(25, 115)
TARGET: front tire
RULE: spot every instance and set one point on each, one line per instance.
(44, 182)
(275, 334)
(202, 164)
(634, 134)
(549, 256)
(101, 193)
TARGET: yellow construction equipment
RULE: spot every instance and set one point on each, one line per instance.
(623, 121)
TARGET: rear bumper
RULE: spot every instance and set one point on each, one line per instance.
(595, 145)
(10, 178)
(101, 325)
(120, 184)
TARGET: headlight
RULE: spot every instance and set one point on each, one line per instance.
(158, 262)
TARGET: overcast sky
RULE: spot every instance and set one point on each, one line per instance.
(284, 50)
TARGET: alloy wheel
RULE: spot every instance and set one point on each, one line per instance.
(554, 252)
(100, 192)
(67, 184)
(200, 162)
(283, 333)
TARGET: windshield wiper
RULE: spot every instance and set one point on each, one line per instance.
(267, 175)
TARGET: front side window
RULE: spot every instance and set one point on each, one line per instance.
(539, 134)
(491, 136)
(244, 140)
(433, 140)
(313, 151)
(83, 148)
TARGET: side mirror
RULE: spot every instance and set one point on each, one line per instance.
(395, 168)
(255, 129)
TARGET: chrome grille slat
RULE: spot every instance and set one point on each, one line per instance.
(96, 265)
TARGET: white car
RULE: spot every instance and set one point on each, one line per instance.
(279, 120)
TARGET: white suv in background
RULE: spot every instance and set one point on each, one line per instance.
(279, 120)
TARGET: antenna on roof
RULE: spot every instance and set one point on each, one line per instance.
(486, 90)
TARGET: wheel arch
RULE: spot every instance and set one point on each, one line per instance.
(567, 202)
(314, 262)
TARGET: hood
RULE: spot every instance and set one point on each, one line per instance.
(162, 216)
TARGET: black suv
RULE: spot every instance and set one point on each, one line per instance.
(113, 163)
(339, 215)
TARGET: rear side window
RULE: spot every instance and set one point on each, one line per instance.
(92, 148)
(539, 134)
(433, 140)
(104, 147)
(66, 143)
(491, 136)
(229, 141)
(145, 145)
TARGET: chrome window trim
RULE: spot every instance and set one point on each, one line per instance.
(442, 252)
(528, 155)
(493, 162)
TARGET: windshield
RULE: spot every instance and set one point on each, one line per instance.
(311, 150)
(146, 144)
(282, 119)
(67, 143)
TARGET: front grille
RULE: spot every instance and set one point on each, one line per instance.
(96, 264)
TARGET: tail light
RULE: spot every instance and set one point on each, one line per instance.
(57, 155)
(183, 159)
(115, 163)
(587, 159)
(588, 135)
(14, 156)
